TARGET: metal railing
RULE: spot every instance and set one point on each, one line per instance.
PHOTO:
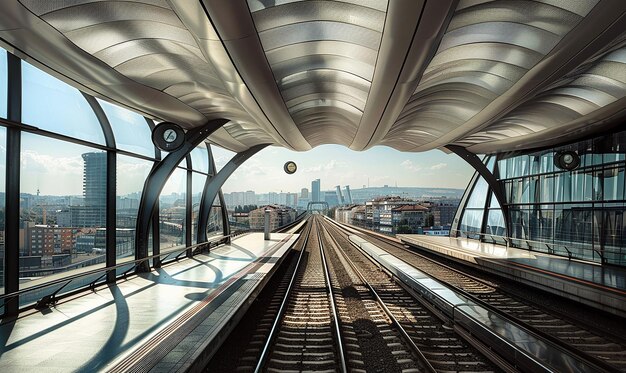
(553, 248)
(51, 298)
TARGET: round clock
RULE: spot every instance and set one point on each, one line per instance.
(168, 136)
(290, 167)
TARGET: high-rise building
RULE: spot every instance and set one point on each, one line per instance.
(315, 191)
(348, 196)
(304, 193)
(339, 195)
(94, 189)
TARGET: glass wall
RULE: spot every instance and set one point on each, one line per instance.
(3, 83)
(65, 111)
(63, 185)
(131, 176)
(578, 213)
(131, 130)
(3, 162)
(197, 186)
(62, 208)
(214, 226)
(172, 205)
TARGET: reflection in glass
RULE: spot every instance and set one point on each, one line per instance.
(62, 209)
(214, 226)
(172, 205)
(131, 175)
(52, 105)
(221, 157)
(479, 195)
(200, 158)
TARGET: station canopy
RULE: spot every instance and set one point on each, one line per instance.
(414, 75)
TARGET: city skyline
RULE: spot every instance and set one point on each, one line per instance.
(338, 165)
(263, 173)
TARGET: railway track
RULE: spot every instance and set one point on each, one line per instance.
(411, 334)
(306, 335)
(379, 327)
(549, 322)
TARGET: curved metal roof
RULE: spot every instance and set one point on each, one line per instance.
(414, 75)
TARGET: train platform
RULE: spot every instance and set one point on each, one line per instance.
(596, 285)
(165, 320)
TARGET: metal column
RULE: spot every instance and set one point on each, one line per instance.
(12, 202)
(214, 184)
(156, 181)
(489, 177)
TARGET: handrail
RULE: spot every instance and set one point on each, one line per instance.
(71, 278)
(551, 246)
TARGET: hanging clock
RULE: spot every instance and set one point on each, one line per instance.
(290, 167)
(168, 136)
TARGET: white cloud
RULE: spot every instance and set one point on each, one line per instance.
(409, 165)
(317, 168)
(438, 166)
(331, 165)
(334, 164)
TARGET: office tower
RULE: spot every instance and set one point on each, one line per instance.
(339, 196)
(304, 193)
(94, 190)
(315, 191)
(348, 196)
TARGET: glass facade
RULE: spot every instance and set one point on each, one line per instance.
(131, 176)
(64, 178)
(577, 213)
(172, 203)
(3, 83)
(3, 162)
(66, 111)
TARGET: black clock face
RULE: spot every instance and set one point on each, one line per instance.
(290, 167)
(168, 136)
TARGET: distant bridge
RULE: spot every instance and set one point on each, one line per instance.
(309, 206)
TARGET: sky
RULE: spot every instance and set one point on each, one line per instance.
(55, 167)
(338, 165)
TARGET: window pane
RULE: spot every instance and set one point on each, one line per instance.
(479, 195)
(547, 188)
(495, 223)
(200, 158)
(214, 226)
(614, 183)
(62, 211)
(3, 162)
(172, 206)
(52, 105)
(3, 83)
(130, 129)
(472, 222)
(197, 185)
(221, 157)
(131, 175)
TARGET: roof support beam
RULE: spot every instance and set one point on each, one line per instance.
(579, 45)
(413, 30)
(213, 186)
(156, 181)
(489, 177)
(234, 25)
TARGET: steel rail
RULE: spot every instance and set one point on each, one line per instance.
(333, 306)
(282, 309)
(582, 355)
(421, 357)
